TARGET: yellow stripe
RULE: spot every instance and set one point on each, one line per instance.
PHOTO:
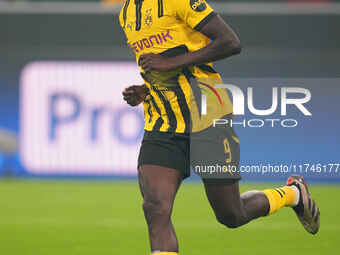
(155, 115)
(178, 114)
(149, 125)
(186, 88)
(146, 115)
(235, 139)
(165, 126)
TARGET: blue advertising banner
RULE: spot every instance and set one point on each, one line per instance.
(73, 122)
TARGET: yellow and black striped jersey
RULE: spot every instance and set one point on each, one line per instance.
(170, 28)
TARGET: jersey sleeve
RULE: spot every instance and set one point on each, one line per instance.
(195, 13)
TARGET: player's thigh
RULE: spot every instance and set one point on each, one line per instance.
(159, 186)
(166, 151)
(162, 164)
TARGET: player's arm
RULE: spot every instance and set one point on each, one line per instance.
(224, 43)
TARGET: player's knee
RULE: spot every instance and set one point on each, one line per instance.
(156, 208)
(231, 220)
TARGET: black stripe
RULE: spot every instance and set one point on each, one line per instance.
(169, 111)
(184, 107)
(138, 14)
(160, 8)
(149, 112)
(159, 121)
(278, 192)
(158, 124)
(282, 191)
(173, 52)
(206, 68)
(200, 25)
(124, 12)
(194, 87)
(156, 106)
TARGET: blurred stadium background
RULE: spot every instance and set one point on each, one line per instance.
(68, 144)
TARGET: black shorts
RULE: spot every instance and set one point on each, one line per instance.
(213, 154)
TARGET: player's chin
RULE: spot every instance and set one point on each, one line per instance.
(133, 103)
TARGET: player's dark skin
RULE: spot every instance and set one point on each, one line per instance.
(159, 184)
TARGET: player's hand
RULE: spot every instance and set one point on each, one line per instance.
(134, 95)
(156, 62)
